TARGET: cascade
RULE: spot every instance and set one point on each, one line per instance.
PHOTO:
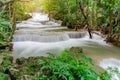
(32, 39)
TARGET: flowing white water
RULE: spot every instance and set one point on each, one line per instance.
(112, 63)
(31, 40)
(37, 20)
(39, 17)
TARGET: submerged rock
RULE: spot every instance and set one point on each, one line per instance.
(76, 50)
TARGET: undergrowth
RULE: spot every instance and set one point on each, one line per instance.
(67, 66)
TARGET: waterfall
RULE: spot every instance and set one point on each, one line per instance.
(77, 34)
(47, 36)
(41, 37)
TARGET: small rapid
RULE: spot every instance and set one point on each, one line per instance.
(32, 39)
(47, 36)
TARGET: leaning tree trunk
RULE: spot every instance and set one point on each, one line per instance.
(85, 17)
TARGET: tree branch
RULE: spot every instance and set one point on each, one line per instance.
(2, 4)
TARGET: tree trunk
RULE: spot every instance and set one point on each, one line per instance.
(110, 17)
(82, 11)
(76, 26)
(13, 19)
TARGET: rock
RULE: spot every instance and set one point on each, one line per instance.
(14, 71)
(76, 50)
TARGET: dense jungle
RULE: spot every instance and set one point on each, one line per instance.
(59, 40)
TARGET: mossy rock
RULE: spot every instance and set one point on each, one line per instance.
(4, 76)
(76, 50)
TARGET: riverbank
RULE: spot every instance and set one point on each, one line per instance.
(61, 67)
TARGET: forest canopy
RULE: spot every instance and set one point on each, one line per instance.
(102, 15)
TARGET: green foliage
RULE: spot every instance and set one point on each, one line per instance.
(5, 26)
(6, 60)
(4, 76)
(70, 67)
(97, 12)
(117, 28)
(61, 9)
(22, 10)
(111, 71)
(105, 76)
(5, 30)
(67, 66)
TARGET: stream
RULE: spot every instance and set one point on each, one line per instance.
(33, 38)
